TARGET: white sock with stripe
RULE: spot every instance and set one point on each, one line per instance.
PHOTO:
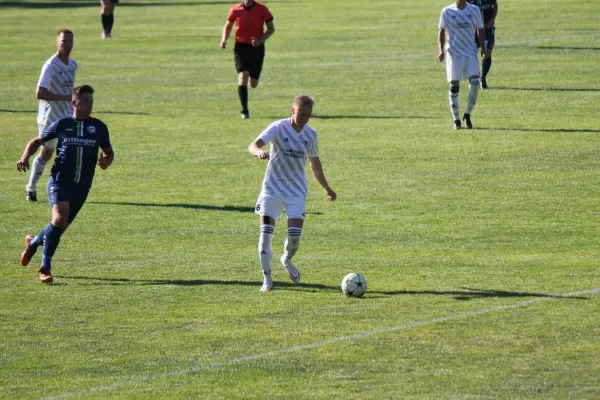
(292, 242)
(265, 249)
(37, 169)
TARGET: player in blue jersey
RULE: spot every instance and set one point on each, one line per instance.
(489, 11)
(291, 142)
(79, 138)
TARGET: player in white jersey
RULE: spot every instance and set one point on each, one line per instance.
(54, 90)
(460, 22)
(292, 141)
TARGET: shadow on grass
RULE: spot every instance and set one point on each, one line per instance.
(541, 130)
(545, 89)
(183, 205)
(553, 47)
(361, 117)
(95, 3)
(102, 112)
(465, 294)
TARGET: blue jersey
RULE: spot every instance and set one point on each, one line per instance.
(77, 148)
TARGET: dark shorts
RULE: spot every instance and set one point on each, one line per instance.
(249, 58)
(490, 38)
(73, 193)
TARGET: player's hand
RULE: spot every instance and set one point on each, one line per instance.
(223, 44)
(23, 165)
(440, 56)
(263, 155)
(331, 195)
(256, 42)
(103, 162)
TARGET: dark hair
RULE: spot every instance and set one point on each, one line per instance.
(82, 89)
(65, 32)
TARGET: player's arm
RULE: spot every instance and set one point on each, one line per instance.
(44, 94)
(256, 150)
(481, 35)
(492, 21)
(226, 32)
(317, 170)
(269, 32)
(107, 155)
(441, 44)
(31, 148)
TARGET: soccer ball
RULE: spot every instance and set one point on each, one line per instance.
(354, 285)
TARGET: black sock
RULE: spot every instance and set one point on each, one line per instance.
(104, 22)
(243, 93)
(110, 20)
(486, 64)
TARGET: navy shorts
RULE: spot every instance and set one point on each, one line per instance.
(249, 58)
(73, 193)
(490, 38)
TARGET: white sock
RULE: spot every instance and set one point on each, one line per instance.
(292, 242)
(37, 169)
(454, 104)
(472, 98)
(265, 250)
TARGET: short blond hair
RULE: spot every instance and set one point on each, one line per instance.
(303, 100)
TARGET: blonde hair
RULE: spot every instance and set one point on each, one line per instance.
(304, 101)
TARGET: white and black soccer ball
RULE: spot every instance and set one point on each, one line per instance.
(354, 285)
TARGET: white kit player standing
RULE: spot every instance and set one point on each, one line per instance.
(54, 91)
(292, 141)
(460, 22)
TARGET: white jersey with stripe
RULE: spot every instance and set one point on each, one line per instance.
(286, 169)
(58, 78)
(461, 27)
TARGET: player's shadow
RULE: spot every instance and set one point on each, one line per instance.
(362, 117)
(95, 3)
(546, 89)
(2, 110)
(189, 206)
(465, 294)
(553, 47)
(541, 130)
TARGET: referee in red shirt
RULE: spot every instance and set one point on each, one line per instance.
(250, 18)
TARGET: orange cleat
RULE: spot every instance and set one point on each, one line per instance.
(45, 276)
(29, 251)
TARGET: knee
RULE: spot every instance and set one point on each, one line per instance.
(474, 81)
(253, 83)
(243, 78)
(46, 154)
(60, 221)
(454, 87)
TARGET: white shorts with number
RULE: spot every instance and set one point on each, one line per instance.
(50, 145)
(272, 206)
(461, 68)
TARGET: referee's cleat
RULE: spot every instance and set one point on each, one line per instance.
(245, 115)
(45, 276)
(467, 120)
(457, 124)
(29, 251)
(30, 196)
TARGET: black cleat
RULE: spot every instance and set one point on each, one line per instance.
(457, 124)
(245, 115)
(467, 120)
(484, 83)
(30, 196)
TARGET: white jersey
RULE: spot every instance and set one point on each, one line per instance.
(286, 169)
(58, 78)
(461, 27)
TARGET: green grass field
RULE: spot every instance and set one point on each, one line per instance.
(480, 247)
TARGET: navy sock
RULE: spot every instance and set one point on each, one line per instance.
(110, 21)
(243, 93)
(51, 241)
(39, 239)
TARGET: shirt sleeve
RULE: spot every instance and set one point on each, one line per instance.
(267, 16)
(478, 20)
(231, 16)
(313, 150)
(269, 134)
(50, 132)
(46, 76)
(104, 141)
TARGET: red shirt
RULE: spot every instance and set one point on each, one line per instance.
(249, 21)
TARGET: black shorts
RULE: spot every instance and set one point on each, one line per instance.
(73, 193)
(490, 38)
(249, 58)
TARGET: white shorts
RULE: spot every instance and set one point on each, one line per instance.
(271, 206)
(50, 145)
(461, 68)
